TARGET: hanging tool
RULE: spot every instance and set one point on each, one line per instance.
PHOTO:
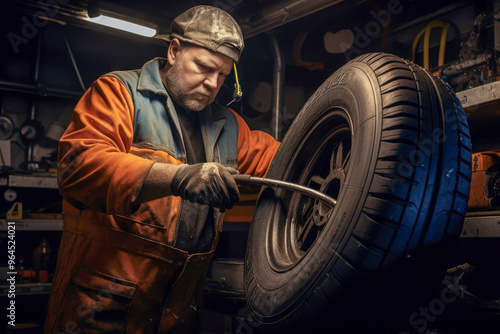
(426, 31)
(15, 211)
(476, 64)
(248, 180)
(6, 125)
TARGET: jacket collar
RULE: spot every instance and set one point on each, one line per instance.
(149, 77)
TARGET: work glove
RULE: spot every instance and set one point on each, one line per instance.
(206, 183)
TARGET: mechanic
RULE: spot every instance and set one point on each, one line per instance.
(145, 168)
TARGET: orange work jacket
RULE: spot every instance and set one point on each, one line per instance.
(117, 270)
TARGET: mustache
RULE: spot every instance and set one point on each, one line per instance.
(203, 91)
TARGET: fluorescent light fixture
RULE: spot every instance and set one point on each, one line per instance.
(123, 25)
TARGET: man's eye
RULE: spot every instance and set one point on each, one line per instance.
(203, 67)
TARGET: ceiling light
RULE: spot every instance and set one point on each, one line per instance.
(123, 25)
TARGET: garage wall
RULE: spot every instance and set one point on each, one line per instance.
(55, 90)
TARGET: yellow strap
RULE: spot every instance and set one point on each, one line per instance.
(237, 84)
(427, 31)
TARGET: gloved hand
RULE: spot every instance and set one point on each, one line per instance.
(206, 183)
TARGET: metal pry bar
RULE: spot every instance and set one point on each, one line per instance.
(249, 180)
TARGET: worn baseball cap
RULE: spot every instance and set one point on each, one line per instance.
(208, 27)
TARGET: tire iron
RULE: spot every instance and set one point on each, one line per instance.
(248, 180)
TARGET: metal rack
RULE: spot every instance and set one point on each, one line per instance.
(482, 225)
(27, 289)
(479, 97)
(34, 224)
(482, 107)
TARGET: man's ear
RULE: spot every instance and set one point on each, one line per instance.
(174, 50)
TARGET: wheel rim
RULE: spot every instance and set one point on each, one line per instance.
(321, 161)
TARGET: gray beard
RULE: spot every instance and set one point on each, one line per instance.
(180, 94)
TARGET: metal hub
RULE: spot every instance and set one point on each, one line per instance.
(331, 184)
(315, 212)
(321, 162)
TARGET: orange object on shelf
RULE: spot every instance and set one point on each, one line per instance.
(485, 181)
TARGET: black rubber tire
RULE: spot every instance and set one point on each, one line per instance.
(404, 189)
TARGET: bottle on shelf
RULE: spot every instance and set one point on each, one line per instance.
(20, 270)
(42, 260)
(24, 273)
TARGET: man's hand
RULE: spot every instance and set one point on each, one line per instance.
(206, 183)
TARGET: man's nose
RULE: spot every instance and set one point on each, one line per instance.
(211, 81)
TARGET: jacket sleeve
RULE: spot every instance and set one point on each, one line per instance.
(95, 167)
(256, 149)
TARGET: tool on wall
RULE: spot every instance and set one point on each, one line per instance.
(476, 64)
(15, 211)
(426, 32)
(30, 131)
(6, 125)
